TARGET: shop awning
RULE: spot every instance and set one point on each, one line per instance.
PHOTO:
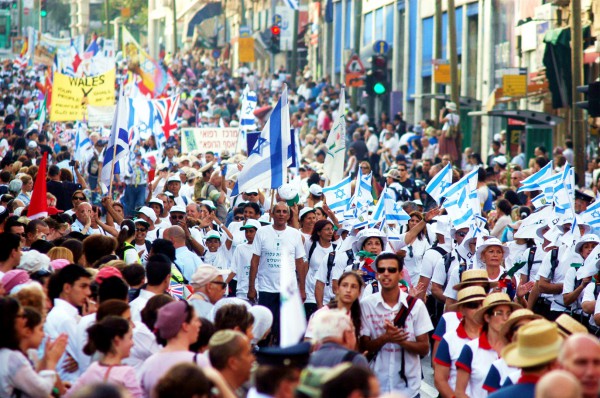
(466, 102)
(528, 117)
(208, 11)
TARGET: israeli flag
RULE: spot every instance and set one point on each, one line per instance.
(338, 196)
(378, 215)
(83, 145)
(293, 4)
(117, 150)
(266, 164)
(532, 183)
(539, 201)
(440, 183)
(592, 215)
(394, 211)
(249, 101)
(362, 190)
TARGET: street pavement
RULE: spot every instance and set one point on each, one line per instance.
(427, 385)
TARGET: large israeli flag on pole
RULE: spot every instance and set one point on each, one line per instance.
(266, 164)
(338, 196)
(115, 155)
(440, 183)
(336, 145)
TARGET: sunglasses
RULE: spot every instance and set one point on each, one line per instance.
(222, 284)
(461, 234)
(252, 194)
(177, 217)
(473, 305)
(78, 198)
(239, 218)
(392, 270)
(141, 230)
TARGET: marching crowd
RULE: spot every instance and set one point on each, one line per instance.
(170, 286)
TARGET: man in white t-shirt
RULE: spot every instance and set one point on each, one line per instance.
(275, 246)
(242, 256)
(398, 346)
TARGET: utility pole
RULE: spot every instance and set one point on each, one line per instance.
(577, 121)
(294, 63)
(174, 27)
(106, 8)
(437, 54)
(454, 86)
(357, 38)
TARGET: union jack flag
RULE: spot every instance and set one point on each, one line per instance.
(167, 112)
(179, 291)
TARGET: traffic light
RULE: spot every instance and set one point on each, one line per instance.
(376, 81)
(592, 105)
(274, 46)
(43, 8)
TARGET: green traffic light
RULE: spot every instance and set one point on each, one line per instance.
(43, 13)
(379, 88)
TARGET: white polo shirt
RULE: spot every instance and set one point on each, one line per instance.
(476, 358)
(63, 318)
(388, 362)
(559, 275)
(449, 349)
(588, 295)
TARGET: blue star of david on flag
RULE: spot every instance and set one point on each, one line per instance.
(259, 146)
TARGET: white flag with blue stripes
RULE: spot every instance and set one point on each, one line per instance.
(83, 145)
(394, 212)
(591, 215)
(293, 4)
(440, 183)
(117, 149)
(462, 202)
(362, 190)
(534, 181)
(247, 119)
(378, 214)
(336, 145)
(338, 196)
(267, 161)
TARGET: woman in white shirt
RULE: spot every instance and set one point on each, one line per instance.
(317, 248)
(22, 331)
(416, 250)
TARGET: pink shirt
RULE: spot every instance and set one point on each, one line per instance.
(121, 375)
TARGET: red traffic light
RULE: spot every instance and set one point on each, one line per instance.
(379, 62)
(275, 30)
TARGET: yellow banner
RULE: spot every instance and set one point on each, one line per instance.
(72, 95)
(246, 49)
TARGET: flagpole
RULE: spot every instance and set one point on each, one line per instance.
(272, 198)
(112, 170)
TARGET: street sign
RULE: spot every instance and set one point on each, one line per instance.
(515, 84)
(381, 47)
(355, 65)
(277, 19)
(245, 31)
(216, 53)
(25, 11)
(441, 74)
(355, 79)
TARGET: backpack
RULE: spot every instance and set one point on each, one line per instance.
(530, 261)
(453, 129)
(553, 263)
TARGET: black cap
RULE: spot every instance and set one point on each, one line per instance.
(295, 356)
(583, 196)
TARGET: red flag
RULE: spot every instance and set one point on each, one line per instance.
(38, 207)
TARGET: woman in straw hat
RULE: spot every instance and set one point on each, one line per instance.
(469, 301)
(500, 371)
(476, 357)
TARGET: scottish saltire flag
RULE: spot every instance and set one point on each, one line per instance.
(166, 109)
(293, 4)
(267, 161)
(532, 183)
(83, 145)
(117, 150)
(440, 183)
(362, 190)
(336, 145)
(338, 196)
(293, 317)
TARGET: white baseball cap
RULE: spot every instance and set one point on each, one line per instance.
(148, 212)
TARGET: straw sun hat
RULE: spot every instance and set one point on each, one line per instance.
(568, 326)
(516, 317)
(468, 295)
(494, 300)
(537, 343)
(474, 277)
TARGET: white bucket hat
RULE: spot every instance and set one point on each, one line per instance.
(366, 234)
(492, 242)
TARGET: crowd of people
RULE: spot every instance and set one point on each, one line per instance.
(170, 286)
